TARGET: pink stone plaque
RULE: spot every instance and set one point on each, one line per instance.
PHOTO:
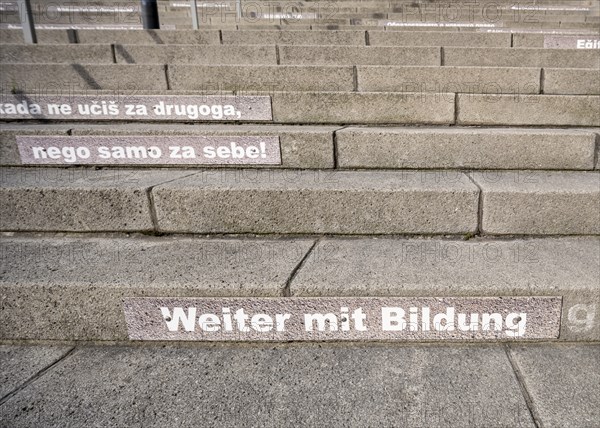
(342, 319)
(149, 150)
(186, 108)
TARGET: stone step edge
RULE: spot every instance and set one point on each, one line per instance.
(317, 144)
(146, 200)
(72, 288)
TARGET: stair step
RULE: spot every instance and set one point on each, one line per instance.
(79, 200)
(65, 53)
(238, 201)
(498, 80)
(72, 288)
(316, 37)
(309, 107)
(262, 78)
(159, 37)
(567, 267)
(316, 202)
(535, 110)
(208, 55)
(426, 38)
(86, 303)
(360, 147)
(534, 203)
(571, 81)
(537, 40)
(271, 201)
(436, 108)
(520, 57)
(301, 147)
(483, 148)
(62, 77)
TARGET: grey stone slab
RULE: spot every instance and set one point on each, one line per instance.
(433, 38)
(84, 200)
(481, 148)
(73, 288)
(276, 386)
(359, 55)
(562, 382)
(528, 40)
(316, 37)
(84, 76)
(597, 150)
(367, 108)
(159, 37)
(540, 203)
(43, 36)
(471, 80)
(547, 110)
(301, 147)
(19, 363)
(572, 81)
(9, 154)
(262, 78)
(318, 201)
(567, 267)
(520, 57)
(190, 54)
(345, 27)
(593, 26)
(417, 27)
(72, 53)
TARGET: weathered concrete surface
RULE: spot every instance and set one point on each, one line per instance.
(470, 80)
(262, 78)
(72, 288)
(359, 108)
(72, 53)
(548, 110)
(568, 267)
(70, 77)
(597, 149)
(437, 38)
(194, 54)
(324, 37)
(301, 147)
(520, 57)
(359, 55)
(50, 199)
(18, 364)
(539, 202)
(9, 154)
(274, 387)
(43, 36)
(562, 382)
(491, 148)
(159, 37)
(572, 81)
(318, 201)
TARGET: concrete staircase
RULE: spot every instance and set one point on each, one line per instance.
(388, 137)
(408, 155)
